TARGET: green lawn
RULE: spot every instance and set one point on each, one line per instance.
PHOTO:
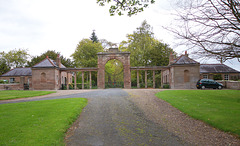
(38, 122)
(13, 94)
(219, 108)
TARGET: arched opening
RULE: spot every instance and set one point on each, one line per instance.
(114, 74)
(43, 78)
(186, 76)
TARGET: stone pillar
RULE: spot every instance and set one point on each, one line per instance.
(82, 79)
(154, 79)
(145, 78)
(127, 72)
(75, 80)
(90, 78)
(101, 72)
(138, 85)
(161, 79)
(67, 82)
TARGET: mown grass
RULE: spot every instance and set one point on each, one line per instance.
(219, 108)
(13, 94)
(38, 122)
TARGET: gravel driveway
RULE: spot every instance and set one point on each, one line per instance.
(111, 118)
(134, 117)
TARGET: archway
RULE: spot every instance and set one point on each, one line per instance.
(123, 57)
(114, 74)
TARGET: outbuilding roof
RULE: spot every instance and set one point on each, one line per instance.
(47, 63)
(216, 68)
(18, 72)
(184, 59)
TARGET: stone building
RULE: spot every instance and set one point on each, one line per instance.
(182, 72)
(218, 72)
(45, 75)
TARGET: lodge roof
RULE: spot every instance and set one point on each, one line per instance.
(216, 68)
(47, 63)
(184, 59)
(18, 72)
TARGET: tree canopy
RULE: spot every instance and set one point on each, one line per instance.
(14, 58)
(85, 54)
(51, 54)
(94, 37)
(130, 6)
(145, 49)
(3, 66)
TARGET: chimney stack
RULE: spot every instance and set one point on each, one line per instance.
(58, 61)
(171, 58)
(186, 54)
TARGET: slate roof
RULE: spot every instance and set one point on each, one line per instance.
(184, 59)
(47, 63)
(216, 68)
(18, 72)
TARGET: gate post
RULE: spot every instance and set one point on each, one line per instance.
(154, 79)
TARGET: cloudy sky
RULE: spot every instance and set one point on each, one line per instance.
(41, 25)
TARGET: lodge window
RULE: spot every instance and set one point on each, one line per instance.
(43, 78)
(226, 77)
(12, 80)
(186, 76)
(205, 76)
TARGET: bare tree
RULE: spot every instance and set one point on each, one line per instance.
(210, 27)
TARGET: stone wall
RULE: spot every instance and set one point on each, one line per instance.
(44, 78)
(14, 86)
(184, 77)
(123, 57)
(231, 84)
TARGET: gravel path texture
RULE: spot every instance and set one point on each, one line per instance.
(186, 128)
(134, 117)
(111, 118)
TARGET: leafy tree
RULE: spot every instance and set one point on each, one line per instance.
(15, 58)
(114, 71)
(210, 27)
(85, 54)
(51, 54)
(94, 38)
(130, 6)
(146, 50)
(3, 66)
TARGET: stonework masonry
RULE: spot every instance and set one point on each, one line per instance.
(104, 57)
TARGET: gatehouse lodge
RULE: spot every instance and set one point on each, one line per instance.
(181, 73)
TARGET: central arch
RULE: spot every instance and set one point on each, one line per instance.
(114, 74)
(104, 57)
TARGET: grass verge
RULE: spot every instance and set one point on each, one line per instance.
(13, 94)
(219, 108)
(38, 122)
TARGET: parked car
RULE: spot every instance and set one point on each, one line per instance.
(208, 83)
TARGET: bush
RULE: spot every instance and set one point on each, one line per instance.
(3, 81)
(166, 86)
(217, 77)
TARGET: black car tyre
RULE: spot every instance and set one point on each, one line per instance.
(203, 87)
(219, 87)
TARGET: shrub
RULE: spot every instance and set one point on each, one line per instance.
(217, 77)
(166, 86)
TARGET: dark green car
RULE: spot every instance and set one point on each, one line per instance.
(208, 83)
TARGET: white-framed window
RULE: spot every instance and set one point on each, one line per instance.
(12, 80)
(226, 77)
(205, 76)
